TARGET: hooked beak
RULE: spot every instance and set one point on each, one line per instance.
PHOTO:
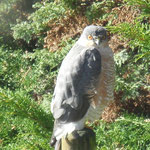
(97, 40)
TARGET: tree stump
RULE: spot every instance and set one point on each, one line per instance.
(79, 140)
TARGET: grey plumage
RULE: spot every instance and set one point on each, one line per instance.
(80, 79)
(77, 82)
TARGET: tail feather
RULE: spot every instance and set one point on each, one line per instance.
(58, 145)
(53, 141)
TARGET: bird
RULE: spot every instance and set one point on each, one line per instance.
(84, 85)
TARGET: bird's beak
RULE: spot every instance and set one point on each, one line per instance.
(97, 40)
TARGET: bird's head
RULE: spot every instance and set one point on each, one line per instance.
(93, 35)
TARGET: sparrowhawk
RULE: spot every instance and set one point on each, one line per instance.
(85, 83)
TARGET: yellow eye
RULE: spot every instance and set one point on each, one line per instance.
(90, 37)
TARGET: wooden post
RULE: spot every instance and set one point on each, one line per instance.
(79, 140)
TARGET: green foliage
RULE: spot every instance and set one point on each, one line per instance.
(127, 133)
(46, 13)
(144, 5)
(23, 31)
(137, 34)
(11, 64)
(72, 4)
(38, 22)
(20, 104)
(10, 11)
(131, 76)
(27, 78)
(40, 78)
(132, 65)
(33, 72)
(99, 9)
(24, 124)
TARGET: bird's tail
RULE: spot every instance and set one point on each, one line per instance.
(58, 145)
(55, 142)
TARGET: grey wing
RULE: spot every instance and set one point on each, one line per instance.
(72, 98)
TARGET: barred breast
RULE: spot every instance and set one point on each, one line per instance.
(104, 93)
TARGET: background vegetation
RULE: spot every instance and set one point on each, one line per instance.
(34, 38)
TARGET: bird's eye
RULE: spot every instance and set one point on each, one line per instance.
(90, 37)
